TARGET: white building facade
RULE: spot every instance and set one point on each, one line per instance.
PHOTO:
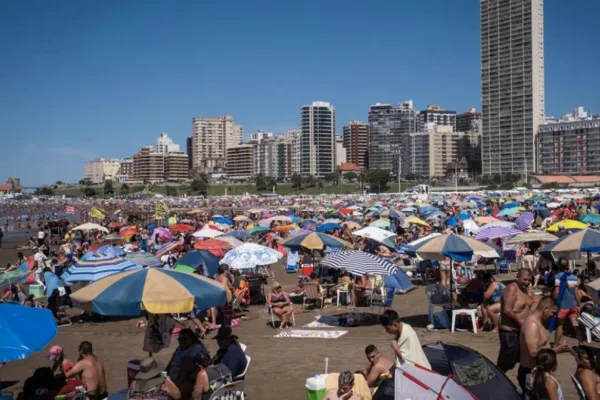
(318, 139)
(101, 169)
(210, 139)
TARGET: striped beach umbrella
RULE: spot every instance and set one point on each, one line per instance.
(495, 233)
(533, 236)
(158, 290)
(460, 248)
(315, 241)
(96, 269)
(167, 247)
(144, 259)
(524, 221)
(570, 246)
(359, 263)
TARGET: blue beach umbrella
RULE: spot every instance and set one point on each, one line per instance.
(590, 218)
(328, 227)
(159, 291)
(24, 330)
(507, 211)
(93, 270)
(240, 235)
(204, 258)
(223, 220)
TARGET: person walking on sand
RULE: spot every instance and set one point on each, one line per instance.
(515, 306)
(91, 370)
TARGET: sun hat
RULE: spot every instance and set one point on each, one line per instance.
(150, 375)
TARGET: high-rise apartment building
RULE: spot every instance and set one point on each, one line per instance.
(388, 125)
(282, 157)
(176, 166)
(318, 139)
(165, 144)
(263, 157)
(356, 142)
(437, 115)
(570, 145)
(210, 139)
(340, 151)
(240, 162)
(101, 169)
(295, 139)
(470, 120)
(149, 165)
(512, 83)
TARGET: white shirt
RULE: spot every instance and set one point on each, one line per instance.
(410, 347)
(128, 248)
(41, 235)
(40, 259)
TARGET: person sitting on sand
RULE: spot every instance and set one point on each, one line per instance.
(344, 390)
(585, 373)
(379, 366)
(280, 304)
(91, 371)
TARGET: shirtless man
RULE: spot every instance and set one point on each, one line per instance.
(91, 370)
(344, 390)
(534, 337)
(378, 368)
(514, 308)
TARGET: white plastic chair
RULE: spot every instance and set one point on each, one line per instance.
(241, 376)
(272, 316)
(232, 391)
(339, 291)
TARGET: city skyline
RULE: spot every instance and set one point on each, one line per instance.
(77, 95)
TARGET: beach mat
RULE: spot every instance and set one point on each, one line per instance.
(306, 334)
(324, 321)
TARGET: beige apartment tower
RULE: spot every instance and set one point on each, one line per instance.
(211, 137)
(512, 83)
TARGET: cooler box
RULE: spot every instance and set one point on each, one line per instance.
(307, 269)
(316, 387)
(37, 291)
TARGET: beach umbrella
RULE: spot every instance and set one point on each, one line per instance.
(240, 235)
(299, 232)
(524, 221)
(285, 228)
(377, 234)
(415, 220)
(194, 211)
(249, 255)
(90, 227)
(471, 226)
(207, 232)
(309, 224)
(144, 259)
(328, 227)
(495, 233)
(570, 246)
(532, 236)
(510, 204)
(167, 247)
(590, 219)
(348, 210)
(351, 225)
(460, 248)
(127, 231)
(359, 263)
(258, 229)
(115, 225)
(217, 216)
(315, 241)
(158, 290)
(223, 220)
(411, 210)
(381, 223)
(242, 218)
(435, 215)
(9, 278)
(334, 215)
(233, 242)
(95, 269)
(110, 251)
(332, 221)
(553, 205)
(215, 246)
(192, 260)
(567, 224)
(112, 237)
(24, 330)
(507, 212)
(486, 220)
(181, 228)
(279, 218)
(502, 224)
(162, 233)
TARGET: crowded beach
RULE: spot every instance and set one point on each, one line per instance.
(479, 295)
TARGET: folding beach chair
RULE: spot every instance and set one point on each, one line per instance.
(231, 391)
(591, 325)
(312, 294)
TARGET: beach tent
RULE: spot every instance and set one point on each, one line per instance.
(471, 370)
(399, 281)
(416, 382)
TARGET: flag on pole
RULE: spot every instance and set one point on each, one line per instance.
(161, 210)
(70, 210)
(96, 213)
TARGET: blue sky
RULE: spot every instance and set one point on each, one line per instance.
(80, 79)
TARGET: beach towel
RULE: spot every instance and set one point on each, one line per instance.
(306, 334)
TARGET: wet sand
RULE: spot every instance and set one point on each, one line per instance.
(280, 366)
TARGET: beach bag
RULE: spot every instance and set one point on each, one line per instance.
(441, 320)
(218, 376)
(592, 309)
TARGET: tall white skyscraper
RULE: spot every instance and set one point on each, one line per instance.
(512, 83)
(318, 139)
(165, 144)
(211, 137)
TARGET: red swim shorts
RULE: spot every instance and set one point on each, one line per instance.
(570, 313)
